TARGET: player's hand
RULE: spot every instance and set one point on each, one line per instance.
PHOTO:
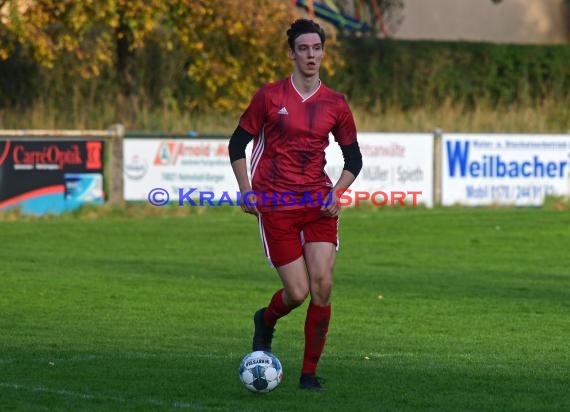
(332, 209)
(249, 204)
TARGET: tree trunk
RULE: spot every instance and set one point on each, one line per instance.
(126, 109)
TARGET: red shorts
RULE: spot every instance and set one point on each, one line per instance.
(283, 233)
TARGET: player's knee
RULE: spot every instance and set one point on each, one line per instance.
(296, 297)
(321, 289)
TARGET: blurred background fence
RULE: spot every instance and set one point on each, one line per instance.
(58, 171)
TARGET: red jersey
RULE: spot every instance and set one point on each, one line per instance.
(290, 136)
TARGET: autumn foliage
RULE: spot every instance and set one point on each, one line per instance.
(223, 49)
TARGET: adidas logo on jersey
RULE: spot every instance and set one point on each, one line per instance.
(283, 110)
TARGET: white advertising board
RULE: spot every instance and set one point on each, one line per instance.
(173, 164)
(504, 169)
(392, 162)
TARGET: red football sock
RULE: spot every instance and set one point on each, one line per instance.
(316, 328)
(277, 309)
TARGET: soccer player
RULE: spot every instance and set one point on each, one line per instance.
(290, 193)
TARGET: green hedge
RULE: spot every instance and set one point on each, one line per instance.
(378, 73)
(419, 73)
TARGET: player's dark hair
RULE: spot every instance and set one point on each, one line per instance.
(304, 26)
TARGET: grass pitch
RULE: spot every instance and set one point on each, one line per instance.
(433, 310)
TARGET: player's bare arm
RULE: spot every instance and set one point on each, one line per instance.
(236, 147)
(332, 208)
(352, 167)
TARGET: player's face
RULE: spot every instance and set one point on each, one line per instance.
(308, 53)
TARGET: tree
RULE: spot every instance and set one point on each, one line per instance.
(233, 46)
(95, 34)
(230, 47)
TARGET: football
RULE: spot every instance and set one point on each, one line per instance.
(260, 372)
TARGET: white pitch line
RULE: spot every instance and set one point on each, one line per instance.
(88, 396)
